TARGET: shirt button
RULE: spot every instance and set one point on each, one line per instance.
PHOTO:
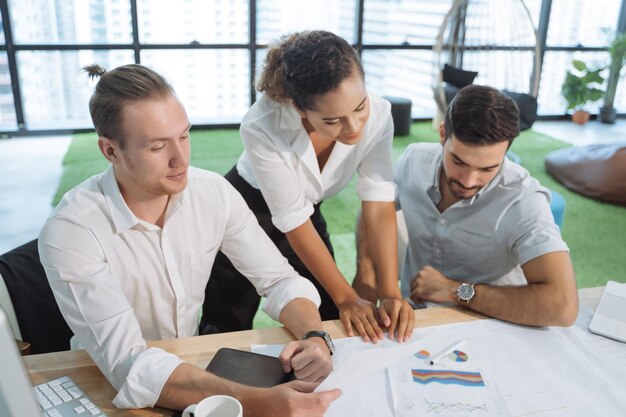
(437, 251)
(442, 221)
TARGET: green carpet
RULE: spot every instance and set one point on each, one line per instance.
(595, 232)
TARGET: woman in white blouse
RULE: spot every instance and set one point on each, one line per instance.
(304, 139)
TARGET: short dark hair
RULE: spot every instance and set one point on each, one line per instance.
(304, 65)
(480, 115)
(118, 87)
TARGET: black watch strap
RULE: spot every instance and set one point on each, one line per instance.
(325, 336)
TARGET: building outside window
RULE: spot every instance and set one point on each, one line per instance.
(206, 50)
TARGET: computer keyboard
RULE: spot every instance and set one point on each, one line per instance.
(61, 397)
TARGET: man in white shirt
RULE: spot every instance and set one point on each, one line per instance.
(128, 254)
(480, 230)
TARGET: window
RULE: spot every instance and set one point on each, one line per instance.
(556, 63)
(534, 8)
(396, 48)
(582, 22)
(173, 19)
(405, 73)
(62, 22)
(7, 108)
(404, 21)
(1, 30)
(205, 80)
(56, 90)
(620, 96)
(278, 17)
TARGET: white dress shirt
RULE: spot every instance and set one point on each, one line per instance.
(484, 239)
(279, 159)
(120, 281)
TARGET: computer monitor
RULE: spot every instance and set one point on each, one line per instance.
(16, 395)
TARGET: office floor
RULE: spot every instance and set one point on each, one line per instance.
(592, 132)
(30, 170)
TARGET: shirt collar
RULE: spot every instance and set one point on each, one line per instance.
(289, 117)
(123, 218)
(178, 200)
(434, 191)
(491, 185)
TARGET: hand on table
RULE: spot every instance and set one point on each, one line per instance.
(397, 315)
(360, 315)
(309, 359)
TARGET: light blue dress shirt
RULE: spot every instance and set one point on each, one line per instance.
(484, 239)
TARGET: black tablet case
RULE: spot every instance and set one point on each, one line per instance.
(247, 368)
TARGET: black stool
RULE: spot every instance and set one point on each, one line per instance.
(401, 114)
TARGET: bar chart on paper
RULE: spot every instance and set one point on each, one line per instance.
(448, 377)
(454, 386)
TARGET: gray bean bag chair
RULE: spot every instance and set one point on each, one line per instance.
(595, 171)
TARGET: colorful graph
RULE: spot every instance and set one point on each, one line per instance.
(422, 354)
(458, 356)
(427, 376)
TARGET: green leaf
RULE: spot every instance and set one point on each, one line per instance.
(595, 95)
(582, 87)
(579, 65)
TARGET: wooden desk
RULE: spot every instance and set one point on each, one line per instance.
(199, 351)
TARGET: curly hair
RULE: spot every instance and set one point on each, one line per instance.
(304, 65)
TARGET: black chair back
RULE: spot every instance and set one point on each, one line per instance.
(38, 315)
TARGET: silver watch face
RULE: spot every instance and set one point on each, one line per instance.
(325, 336)
(465, 292)
(329, 343)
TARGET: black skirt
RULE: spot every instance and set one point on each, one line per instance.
(231, 301)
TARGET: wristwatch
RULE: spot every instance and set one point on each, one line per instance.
(465, 292)
(325, 336)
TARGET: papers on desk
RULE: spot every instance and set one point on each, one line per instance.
(455, 385)
(543, 372)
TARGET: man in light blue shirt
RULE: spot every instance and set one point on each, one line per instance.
(480, 230)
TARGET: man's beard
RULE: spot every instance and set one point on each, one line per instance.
(463, 194)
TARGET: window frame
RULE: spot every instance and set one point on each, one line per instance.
(251, 46)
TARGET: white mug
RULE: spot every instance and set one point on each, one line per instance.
(215, 406)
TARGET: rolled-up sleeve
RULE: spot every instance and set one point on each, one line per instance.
(375, 182)
(97, 311)
(147, 377)
(253, 253)
(277, 181)
(288, 221)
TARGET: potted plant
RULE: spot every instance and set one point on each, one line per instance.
(580, 88)
(617, 50)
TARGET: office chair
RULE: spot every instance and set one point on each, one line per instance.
(31, 302)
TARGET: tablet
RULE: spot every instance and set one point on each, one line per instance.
(610, 317)
(249, 368)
